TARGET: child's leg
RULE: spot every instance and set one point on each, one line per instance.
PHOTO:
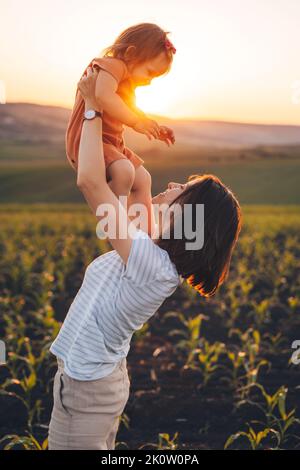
(121, 173)
(141, 194)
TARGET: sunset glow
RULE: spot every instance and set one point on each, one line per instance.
(235, 61)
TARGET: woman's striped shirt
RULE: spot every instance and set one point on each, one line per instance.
(113, 302)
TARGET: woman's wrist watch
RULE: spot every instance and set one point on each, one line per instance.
(90, 114)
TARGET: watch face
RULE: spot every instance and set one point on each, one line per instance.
(90, 114)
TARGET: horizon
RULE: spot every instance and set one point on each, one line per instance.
(160, 116)
(234, 62)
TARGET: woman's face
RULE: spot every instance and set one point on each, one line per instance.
(170, 194)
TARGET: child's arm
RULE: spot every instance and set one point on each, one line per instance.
(112, 103)
(165, 133)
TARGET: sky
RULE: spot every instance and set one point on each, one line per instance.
(236, 60)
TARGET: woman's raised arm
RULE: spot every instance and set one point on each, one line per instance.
(91, 174)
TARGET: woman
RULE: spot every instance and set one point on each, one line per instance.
(123, 288)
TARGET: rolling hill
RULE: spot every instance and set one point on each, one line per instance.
(261, 163)
(36, 123)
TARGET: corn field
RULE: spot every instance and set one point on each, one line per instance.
(218, 373)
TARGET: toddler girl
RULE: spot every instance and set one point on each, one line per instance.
(139, 54)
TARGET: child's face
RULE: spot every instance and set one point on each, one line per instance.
(142, 74)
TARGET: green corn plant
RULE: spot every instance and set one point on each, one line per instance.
(26, 381)
(208, 356)
(200, 353)
(27, 442)
(262, 311)
(250, 347)
(255, 439)
(165, 442)
(238, 293)
(271, 401)
(293, 302)
(191, 333)
(251, 377)
(124, 419)
(285, 420)
(236, 359)
(273, 343)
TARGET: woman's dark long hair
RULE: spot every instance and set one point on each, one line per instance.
(207, 268)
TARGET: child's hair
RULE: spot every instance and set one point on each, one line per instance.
(148, 40)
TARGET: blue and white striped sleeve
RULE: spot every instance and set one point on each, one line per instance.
(144, 261)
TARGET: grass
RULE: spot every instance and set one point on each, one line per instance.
(256, 182)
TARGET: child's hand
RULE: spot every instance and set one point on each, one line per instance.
(166, 135)
(147, 126)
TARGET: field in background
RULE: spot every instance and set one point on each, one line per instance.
(257, 176)
(259, 162)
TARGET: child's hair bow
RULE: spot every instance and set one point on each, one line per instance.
(169, 45)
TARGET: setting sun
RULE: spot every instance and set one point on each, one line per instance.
(156, 98)
(221, 70)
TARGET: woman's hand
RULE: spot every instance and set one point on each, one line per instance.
(86, 86)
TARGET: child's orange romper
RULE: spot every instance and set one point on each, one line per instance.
(112, 129)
